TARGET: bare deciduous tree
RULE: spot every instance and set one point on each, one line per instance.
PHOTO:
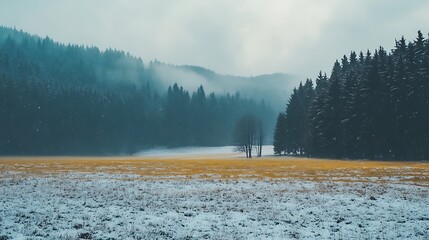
(248, 135)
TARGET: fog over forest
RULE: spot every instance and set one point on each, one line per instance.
(70, 99)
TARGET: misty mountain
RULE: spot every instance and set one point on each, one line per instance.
(273, 88)
(89, 66)
(69, 99)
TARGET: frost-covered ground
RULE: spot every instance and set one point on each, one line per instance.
(107, 206)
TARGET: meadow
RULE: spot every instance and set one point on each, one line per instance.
(212, 197)
(223, 167)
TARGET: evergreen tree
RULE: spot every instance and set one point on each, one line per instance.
(279, 135)
(318, 116)
(333, 112)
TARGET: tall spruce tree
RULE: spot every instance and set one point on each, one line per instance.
(280, 133)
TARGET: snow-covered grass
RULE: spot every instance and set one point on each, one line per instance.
(207, 198)
(110, 206)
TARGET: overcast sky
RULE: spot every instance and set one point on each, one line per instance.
(240, 37)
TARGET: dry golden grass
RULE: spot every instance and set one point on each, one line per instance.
(223, 167)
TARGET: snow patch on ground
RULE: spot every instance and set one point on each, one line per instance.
(105, 206)
(200, 151)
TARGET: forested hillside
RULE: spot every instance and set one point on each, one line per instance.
(68, 99)
(373, 105)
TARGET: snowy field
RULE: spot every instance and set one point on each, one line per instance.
(118, 206)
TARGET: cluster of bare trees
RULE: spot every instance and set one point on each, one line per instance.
(249, 135)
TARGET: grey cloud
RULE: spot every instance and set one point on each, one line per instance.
(243, 37)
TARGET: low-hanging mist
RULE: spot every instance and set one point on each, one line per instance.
(68, 99)
(274, 88)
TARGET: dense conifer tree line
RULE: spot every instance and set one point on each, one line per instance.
(373, 106)
(67, 99)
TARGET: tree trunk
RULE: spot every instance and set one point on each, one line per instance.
(261, 136)
(250, 152)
